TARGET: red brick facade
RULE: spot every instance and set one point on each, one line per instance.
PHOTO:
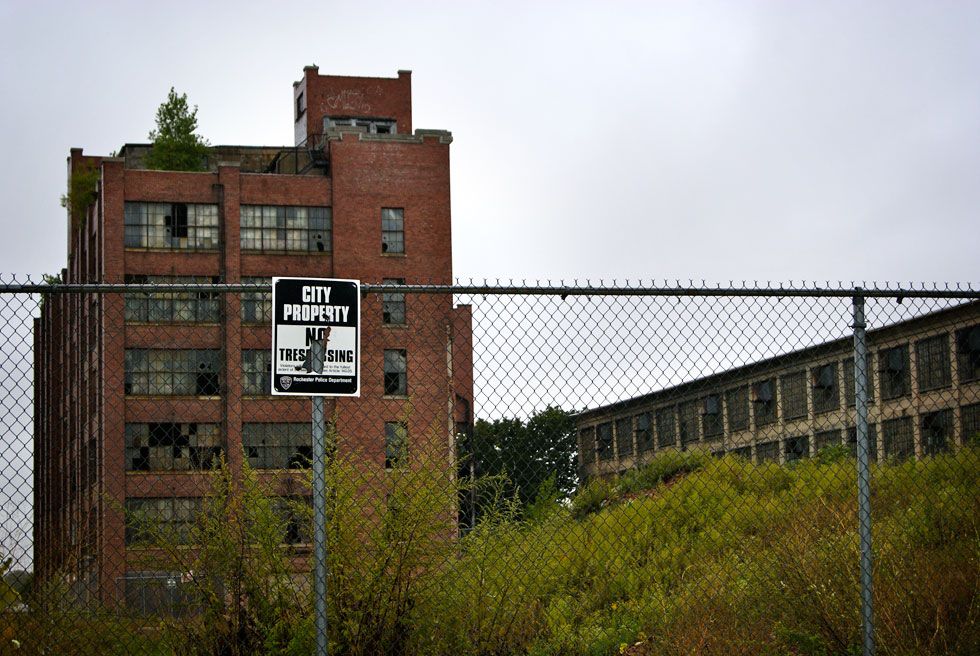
(82, 482)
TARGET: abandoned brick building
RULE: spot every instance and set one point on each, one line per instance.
(924, 398)
(136, 393)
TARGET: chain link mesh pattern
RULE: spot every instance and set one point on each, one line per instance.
(547, 470)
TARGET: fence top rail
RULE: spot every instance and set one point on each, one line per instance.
(873, 290)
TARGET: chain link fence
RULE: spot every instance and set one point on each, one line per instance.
(528, 470)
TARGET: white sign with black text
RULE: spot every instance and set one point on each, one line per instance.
(309, 309)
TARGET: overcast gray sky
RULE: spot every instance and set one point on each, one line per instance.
(726, 140)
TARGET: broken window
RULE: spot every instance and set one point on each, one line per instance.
(171, 226)
(893, 371)
(396, 444)
(393, 304)
(968, 353)
(278, 445)
(296, 517)
(826, 392)
(392, 230)
(796, 448)
(764, 402)
(932, 363)
(395, 372)
(169, 446)
(286, 229)
(711, 418)
(180, 372)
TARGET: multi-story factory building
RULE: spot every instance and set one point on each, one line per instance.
(136, 394)
(924, 384)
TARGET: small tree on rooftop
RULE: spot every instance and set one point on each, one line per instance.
(176, 145)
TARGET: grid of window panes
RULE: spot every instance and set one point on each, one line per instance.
(794, 395)
(826, 390)
(764, 402)
(968, 353)
(173, 226)
(849, 382)
(172, 307)
(898, 439)
(587, 440)
(286, 229)
(932, 363)
(170, 446)
(737, 406)
(666, 427)
(936, 429)
(395, 372)
(767, 452)
(687, 421)
(644, 433)
(796, 448)
(624, 436)
(392, 230)
(826, 439)
(257, 304)
(181, 372)
(396, 443)
(872, 441)
(893, 372)
(168, 519)
(711, 418)
(278, 445)
(256, 371)
(604, 440)
(393, 304)
(970, 424)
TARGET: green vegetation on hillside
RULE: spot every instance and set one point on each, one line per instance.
(689, 555)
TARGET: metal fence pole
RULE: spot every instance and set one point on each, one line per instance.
(319, 508)
(864, 478)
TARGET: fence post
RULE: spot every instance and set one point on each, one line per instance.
(319, 509)
(864, 478)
